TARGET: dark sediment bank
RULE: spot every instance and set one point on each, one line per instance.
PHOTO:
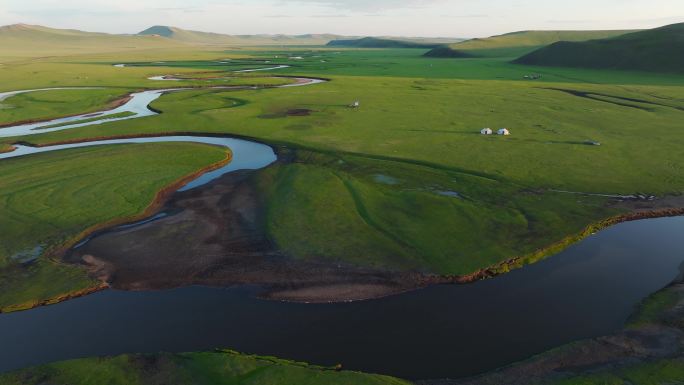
(56, 253)
(216, 236)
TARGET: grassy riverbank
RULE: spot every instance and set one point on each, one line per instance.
(47, 200)
(646, 352)
(217, 368)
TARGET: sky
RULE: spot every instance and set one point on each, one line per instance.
(429, 18)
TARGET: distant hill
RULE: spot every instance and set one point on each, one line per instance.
(657, 50)
(376, 42)
(209, 38)
(517, 43)
(446, 51)
(25, 40)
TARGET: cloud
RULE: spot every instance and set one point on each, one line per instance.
(371, 5)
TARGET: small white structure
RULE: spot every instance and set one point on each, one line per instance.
(356, 104)
(486, 131)
(503, 131)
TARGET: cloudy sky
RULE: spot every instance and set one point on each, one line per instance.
(448, 18)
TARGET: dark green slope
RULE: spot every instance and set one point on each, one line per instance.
(374, 42)
(447, 52)
(516, 44)
(655, 50)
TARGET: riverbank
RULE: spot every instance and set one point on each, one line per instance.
(545, 305)
(171, 369)
(17, 296)
(649, 347)
(228, 215)
(670, 206)
(231, 246)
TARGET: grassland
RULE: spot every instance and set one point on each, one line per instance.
(403, 183)
(217, 368)
(41, 105)
(407, 179)
(504, 207)
(410, 63)
(48, 200)
(22, 41)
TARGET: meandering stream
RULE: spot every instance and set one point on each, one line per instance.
(247, 155)
(137, 106)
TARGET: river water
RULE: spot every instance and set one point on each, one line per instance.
(444, 331)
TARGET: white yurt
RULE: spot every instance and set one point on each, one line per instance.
(486, 131)
(504, 131)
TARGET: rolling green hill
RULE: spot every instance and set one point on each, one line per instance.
(377, 42)
(657, 50)
(209, 38)
(23, 40)
(517, 43)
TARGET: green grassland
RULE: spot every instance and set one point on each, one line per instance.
(403, 183)
(657, 50)
(41, 105)
(216, 368)
(505, 207)
(49, 199)
(409, 62)
(21, 41)
(406, 182)
(547, 149)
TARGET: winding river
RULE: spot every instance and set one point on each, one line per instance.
(247, 155)
(137, 106)
(444, 331)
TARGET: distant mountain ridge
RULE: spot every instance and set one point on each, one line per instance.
(35, 40)
(211, 38)
(31, 40)
(656, 50)
(515, 44)
(387, 42)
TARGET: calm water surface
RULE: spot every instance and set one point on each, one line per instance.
(445, 331)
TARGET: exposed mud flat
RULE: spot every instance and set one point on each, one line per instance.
(214, 235)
